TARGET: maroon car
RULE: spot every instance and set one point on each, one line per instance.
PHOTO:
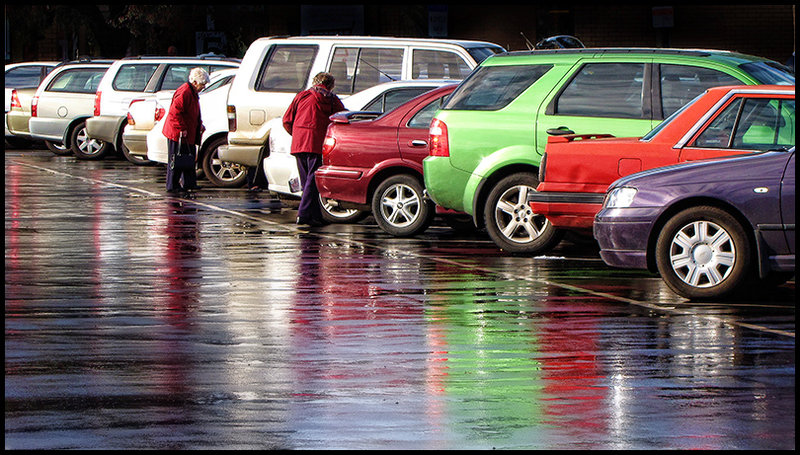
(375, 163)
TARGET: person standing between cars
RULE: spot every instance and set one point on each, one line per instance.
(183, 129)
(306, 120)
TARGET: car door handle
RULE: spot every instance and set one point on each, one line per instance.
(560, 131)
(418, 143)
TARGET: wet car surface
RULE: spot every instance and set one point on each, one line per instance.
(134, 319)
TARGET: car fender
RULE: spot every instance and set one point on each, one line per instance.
(386, 168)
(506, 161)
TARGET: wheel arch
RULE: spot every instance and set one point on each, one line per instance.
(693, 202)
(486, 184)
(391, 171)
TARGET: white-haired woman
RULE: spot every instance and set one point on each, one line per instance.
(184, 129)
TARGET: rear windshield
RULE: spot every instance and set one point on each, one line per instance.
(83, 80)
(490, 88)
(134, 77)
(482, 53)
(770, 73)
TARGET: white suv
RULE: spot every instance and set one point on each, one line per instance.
(274, 70)
(136, 77)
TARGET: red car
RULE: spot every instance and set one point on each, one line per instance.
(376, 163)
(576, 170)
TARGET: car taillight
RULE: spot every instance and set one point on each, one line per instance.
(160, 111)
(327, 147)
(35, 106)
(97, 103)
(439, 145)
(231, 118)
(15, 100)
(130, 117)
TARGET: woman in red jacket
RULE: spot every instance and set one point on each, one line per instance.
(184, 129)
(307, 121)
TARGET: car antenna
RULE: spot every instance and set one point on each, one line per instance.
(527, 41)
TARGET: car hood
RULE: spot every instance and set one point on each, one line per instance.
(705, 171)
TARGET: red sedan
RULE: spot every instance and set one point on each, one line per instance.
(576, 170)
(376, 163)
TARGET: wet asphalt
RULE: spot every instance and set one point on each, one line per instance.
(138, 320)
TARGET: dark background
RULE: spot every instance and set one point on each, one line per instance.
(58, 32)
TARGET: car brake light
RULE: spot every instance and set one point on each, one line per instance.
(35, 106)
(160, 111)
(231, 118)
(327, 147)
(97, 103)
(130, 117)
(15, 100)
(439, 145)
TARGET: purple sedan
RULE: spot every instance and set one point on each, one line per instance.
(706, 227)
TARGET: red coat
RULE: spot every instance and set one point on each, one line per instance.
(307, 120)
(184, 115)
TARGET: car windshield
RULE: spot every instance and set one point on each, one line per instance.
(482, 53)
(669, 119)
(769, 73)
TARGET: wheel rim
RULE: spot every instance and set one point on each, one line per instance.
(515, 218)
(336, 211)
(225, 171)
(86, 145)
(702, 254)
(400, 205)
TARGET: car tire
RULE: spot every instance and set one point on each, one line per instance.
(461, 223)
(399, 208)
(703, 253)
(135, 159)
(222, 173)
(58, 149)
(511, 223)
(334, 214)
(84, 147)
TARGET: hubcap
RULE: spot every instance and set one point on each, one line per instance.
(514, 217)
(224, 170)
(400, 205)
(702, 254)
(86, 145)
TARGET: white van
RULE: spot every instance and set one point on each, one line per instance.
(274, 70)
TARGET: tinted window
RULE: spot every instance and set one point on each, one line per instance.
(287, 69)
(482, 53)
(422, 119)
(376, 66)
(134, 77)
(427, 64)
(769, 72)
(494, 87)
(604, 90)
(718, 132)
(77, 81)
(24, 77)
(681, 83)
(393, 98)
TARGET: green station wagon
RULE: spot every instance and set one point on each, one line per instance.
(488, 139)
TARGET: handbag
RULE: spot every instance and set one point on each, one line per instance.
(182, 161)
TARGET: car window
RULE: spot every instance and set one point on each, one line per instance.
(494, 87)
(668, 120)
(681, 83)
(82, 80)
(765, 124)
(718, 132)
(428, 64)
(176, 75)
(376, 66)
(24, 77)
(604, 90)
(133, 77)
(393, 98)
(769, 72)
(221, 82)
(482, 53)
(422, 119)
(287, 68)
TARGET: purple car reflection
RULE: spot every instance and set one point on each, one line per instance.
(706, 227)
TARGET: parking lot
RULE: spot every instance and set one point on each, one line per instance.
(135, 319)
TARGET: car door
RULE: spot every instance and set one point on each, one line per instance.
(600, 97)
(747, 123)
(412, 134)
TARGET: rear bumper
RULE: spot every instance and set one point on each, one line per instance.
(342, 184)
(567, 210)
(17, 123)
(135, 141)
(104, 127)
(247, 155)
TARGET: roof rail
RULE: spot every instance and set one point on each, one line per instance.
(615, 50)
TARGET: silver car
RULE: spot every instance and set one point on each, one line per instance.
(61, 105)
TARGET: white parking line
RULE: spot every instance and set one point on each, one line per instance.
(505, 275)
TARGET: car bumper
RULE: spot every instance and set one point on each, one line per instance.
(623, 236)
(247, 155)
(342, 184)
(135, 141)
(567, 210)
(49, 129)
(17, 123)
(445, 184)
(104, 127)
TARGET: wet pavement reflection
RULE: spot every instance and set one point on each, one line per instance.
(137, 320)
